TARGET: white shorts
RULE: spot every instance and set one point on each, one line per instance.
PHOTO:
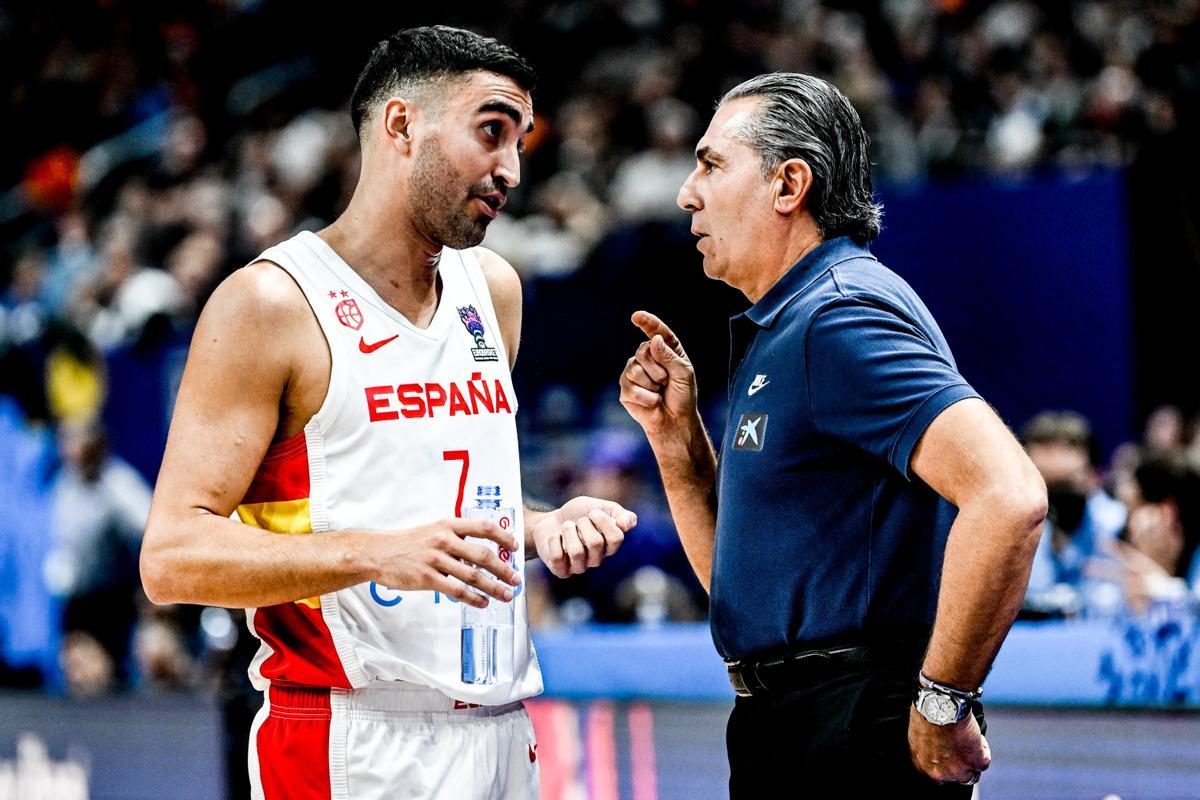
(389, 741)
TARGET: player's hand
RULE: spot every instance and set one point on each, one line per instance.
(581, 534)
(658, 385)
(948, 753)
(438, 557)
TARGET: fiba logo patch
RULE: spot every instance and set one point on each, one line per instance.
(751, 432)
(474, 325)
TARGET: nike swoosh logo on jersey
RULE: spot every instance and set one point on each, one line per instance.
(759, 382)
(371, 348)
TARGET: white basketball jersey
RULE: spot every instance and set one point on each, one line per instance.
(413, 422)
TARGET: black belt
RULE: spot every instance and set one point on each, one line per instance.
(759, 676)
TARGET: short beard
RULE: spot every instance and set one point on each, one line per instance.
(437, 208)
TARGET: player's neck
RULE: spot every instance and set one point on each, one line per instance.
(394, 259)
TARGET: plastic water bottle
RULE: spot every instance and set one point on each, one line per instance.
(487, 633)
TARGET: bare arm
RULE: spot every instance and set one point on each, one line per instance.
(688, 466)
(586, 530)
(969, 457)
(658, 389)
(251, 343)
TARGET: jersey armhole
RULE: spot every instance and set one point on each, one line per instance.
(335, 393)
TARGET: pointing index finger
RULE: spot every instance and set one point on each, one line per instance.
(652, 325)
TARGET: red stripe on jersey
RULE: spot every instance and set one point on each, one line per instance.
(283, 474)
(293, 745)
(302, 647)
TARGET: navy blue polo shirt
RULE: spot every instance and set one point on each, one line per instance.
(822, 532)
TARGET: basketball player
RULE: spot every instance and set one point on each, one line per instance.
(355, 384)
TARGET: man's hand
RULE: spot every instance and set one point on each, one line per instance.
(581, 534)
(948, 753)
(658, 385)
(438, 557)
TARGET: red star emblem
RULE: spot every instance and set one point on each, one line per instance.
(345, 293)
(332, 295)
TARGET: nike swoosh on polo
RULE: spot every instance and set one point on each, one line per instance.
(759, 383)
(371, 348)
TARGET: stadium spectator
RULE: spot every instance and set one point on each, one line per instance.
(100, 505)
(1162, 538)
(1082, 524)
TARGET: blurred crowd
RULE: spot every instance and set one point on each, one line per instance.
(1121, 537)
(148, 161)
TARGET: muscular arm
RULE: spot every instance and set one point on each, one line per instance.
(969, 457)
(246, 350)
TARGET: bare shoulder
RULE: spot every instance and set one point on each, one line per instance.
(258, 306)
(240, 364)
(263, 287)
(504, 284)
(502, 278)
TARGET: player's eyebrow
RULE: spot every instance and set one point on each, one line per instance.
(706, 153)
(508, 110)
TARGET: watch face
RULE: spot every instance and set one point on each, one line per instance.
(938, 708)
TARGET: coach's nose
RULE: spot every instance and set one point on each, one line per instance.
(689, 199)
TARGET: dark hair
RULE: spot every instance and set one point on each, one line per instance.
(808, 118)
(1062, 427)
(1163, 479)
(420, 55)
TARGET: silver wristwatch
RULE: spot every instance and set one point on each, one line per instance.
(943, 705)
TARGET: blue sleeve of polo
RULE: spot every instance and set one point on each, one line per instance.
(876, 380)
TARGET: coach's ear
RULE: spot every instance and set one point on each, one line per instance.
(793, 179)
(398, 115)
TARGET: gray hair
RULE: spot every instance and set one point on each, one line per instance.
(808, 118)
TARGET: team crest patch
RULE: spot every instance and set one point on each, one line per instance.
(474, 325)
(751, 432)
(349, 314)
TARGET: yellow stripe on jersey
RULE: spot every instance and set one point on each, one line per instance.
(280, 516)
(283, 516)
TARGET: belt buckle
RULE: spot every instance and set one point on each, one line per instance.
(735, 678)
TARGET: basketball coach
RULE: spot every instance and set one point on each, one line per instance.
(867, 534)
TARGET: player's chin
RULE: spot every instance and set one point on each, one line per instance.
(466, 234)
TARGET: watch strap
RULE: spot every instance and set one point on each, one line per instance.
(926, 682)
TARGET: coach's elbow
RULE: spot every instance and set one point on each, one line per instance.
(1034, 503)
(1022, 503)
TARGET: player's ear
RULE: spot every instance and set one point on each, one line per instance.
(793, 179)
(397, 121)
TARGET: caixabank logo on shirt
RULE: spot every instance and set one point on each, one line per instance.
(751, 432)
(470, 318)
